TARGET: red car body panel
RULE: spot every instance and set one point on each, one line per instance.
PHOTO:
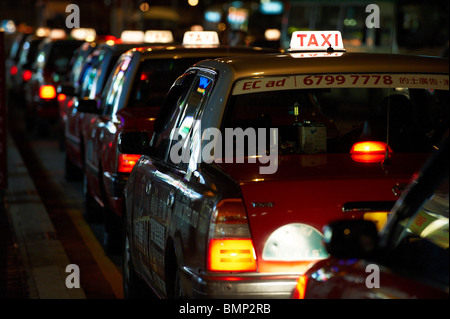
(346, 279)
(311, 180)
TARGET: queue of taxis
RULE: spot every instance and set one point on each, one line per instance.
(407, 259)
(131, 100)
(251, 157)
(50, 68)
(89, 76)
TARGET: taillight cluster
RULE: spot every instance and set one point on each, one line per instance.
(230, 247)
(47, 92)
(26, 75)
(300, 288)
(370, 152)
(126, 162)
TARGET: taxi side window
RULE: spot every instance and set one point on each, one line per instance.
(179, 152)
(168, 115)
(114, 91)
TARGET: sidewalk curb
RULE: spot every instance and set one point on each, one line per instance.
(42, 254)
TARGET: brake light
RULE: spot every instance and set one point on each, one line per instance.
(61, 97)
(126, 162)
(13, 70)
(230, 244)
(47, 92)
(370, 151)
(300, 288)
(26, 75)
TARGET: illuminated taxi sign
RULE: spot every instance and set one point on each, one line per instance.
(158, 36)
(316, 41)
(57, 34)
(42, 32)
(201, 38)
(86, 34)
(132, 36)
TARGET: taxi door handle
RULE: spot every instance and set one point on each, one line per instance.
(170, 199)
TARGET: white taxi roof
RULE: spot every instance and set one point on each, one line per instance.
(201, 38)
(316, 41)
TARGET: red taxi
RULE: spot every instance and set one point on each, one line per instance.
(97, 68)
(251, 157)
(49, 69)
(408, 259)
(132, 97)
(89, 75)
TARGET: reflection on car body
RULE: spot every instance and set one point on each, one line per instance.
(407, 259)
(131, 99)
(200, 223)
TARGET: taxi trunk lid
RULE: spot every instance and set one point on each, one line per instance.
(287, 210)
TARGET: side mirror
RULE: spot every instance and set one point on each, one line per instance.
(134, 143)
(87, 106)
(351, 238)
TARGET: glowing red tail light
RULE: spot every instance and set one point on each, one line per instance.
(230, 244)
(300, 288)
(13, 70)
(61, 97)
(26, 75)
(370, 151)
(126, 162)
(47, 92)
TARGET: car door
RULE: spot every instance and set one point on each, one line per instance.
(102, 124)
(155, 180)
(173, 182)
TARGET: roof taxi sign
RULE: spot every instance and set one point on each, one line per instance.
(132, 36)
(324, 41)
(201, 38)
(158, 36)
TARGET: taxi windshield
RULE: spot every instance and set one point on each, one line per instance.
(331, 120)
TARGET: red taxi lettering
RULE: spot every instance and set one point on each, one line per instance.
(301, 36)
(277, 83)
(313, 41)
(251, 85)
(257, 84)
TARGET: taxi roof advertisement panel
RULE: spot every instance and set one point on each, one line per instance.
(318, 81)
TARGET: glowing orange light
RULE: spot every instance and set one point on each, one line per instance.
(300, 289)
(127, 162)
(231, 255)
(370, 151)
(47, 92)
(61, 97)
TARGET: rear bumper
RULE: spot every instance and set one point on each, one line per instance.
(47, 109)
(259, 286)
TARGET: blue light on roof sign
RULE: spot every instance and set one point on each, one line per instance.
(271, 7)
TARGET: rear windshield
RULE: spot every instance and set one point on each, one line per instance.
(330, 119)
(155, 78)
(60, 56)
